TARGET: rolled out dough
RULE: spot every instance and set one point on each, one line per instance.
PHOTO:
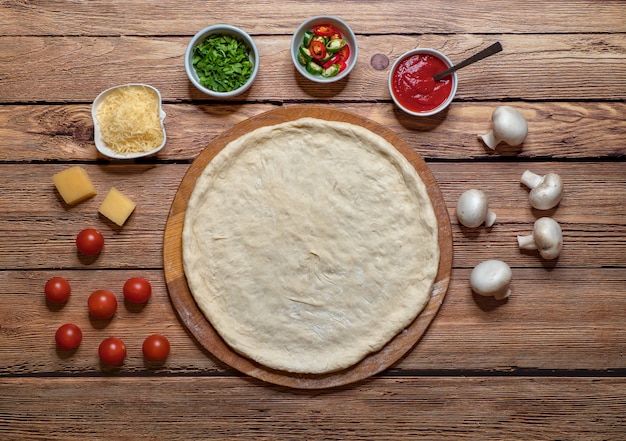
(310, 244)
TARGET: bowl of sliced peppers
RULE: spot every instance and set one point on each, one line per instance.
(222, 60)
(324, 49)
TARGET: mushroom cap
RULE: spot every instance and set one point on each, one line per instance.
(471, 208)
(509, 125)
(491, 278)
(548, 237)
(548, 193)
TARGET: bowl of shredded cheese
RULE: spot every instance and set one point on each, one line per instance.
(128, 121)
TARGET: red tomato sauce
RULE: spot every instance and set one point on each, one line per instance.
(413, 84)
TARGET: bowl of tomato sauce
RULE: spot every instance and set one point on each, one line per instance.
(412, 86)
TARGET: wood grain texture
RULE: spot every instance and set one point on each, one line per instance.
(528, 408)
(531, 67)
(568, 130)
(45, 226)
(171, 17)
(548, 363)
(557, 319)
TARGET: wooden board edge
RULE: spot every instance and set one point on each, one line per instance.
(200, 327)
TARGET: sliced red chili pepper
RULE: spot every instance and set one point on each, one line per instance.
(342, 65)
(345, 52)
(324, 30)
(335, 35)
(317, 49)
(335, 59)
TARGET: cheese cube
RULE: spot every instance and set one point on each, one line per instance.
(74, 185)
(116, 206)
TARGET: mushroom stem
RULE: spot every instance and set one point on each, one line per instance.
(530, 179)
(546, 191)
(527, 242)
(547, 238)
(490, 140)
(490, 218)
(502, 295)
(508, 125)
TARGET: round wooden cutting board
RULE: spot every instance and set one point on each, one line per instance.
(201, 328)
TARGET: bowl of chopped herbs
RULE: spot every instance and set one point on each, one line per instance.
(222, 61)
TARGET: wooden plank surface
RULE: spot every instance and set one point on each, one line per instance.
(536, 328)
(171, 17)
(548, 363)
(558, 130)
(530, 68)
(593, 237)
(210, 408)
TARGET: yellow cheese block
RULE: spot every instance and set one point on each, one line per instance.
(74, 185)
(116, 206)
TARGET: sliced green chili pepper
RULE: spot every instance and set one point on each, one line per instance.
(313, 68)
(336, 45)
(331, 71)
(308, 37)
(305, 52)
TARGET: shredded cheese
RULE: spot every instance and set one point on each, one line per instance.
(129, 120)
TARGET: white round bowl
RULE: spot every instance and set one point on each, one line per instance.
(221, 29)
(97, 136)
(426, 51)
(346, 33)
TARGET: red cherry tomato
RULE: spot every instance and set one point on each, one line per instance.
(57, 290)
(156, 347)
(90, 241)
(112, 351)
(137, 290)
(68, 336)
(102, 304)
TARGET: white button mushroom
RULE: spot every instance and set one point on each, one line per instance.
(491, 278)
(508, 125)
(472, 209)
(546, 191)
(547, 238)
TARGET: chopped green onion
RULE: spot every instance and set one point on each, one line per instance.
(222, 63)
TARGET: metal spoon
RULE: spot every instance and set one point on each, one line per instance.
(493, 49)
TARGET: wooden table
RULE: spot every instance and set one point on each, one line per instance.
(548, 363)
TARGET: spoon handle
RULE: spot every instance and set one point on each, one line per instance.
(493, 49)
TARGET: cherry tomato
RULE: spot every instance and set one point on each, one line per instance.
(102, 304)
(57, 290)
(112, 351)
(68, 336)
(90, 241)
(156, 347)
(137, 290)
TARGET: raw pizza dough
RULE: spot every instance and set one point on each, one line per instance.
(310, 244)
